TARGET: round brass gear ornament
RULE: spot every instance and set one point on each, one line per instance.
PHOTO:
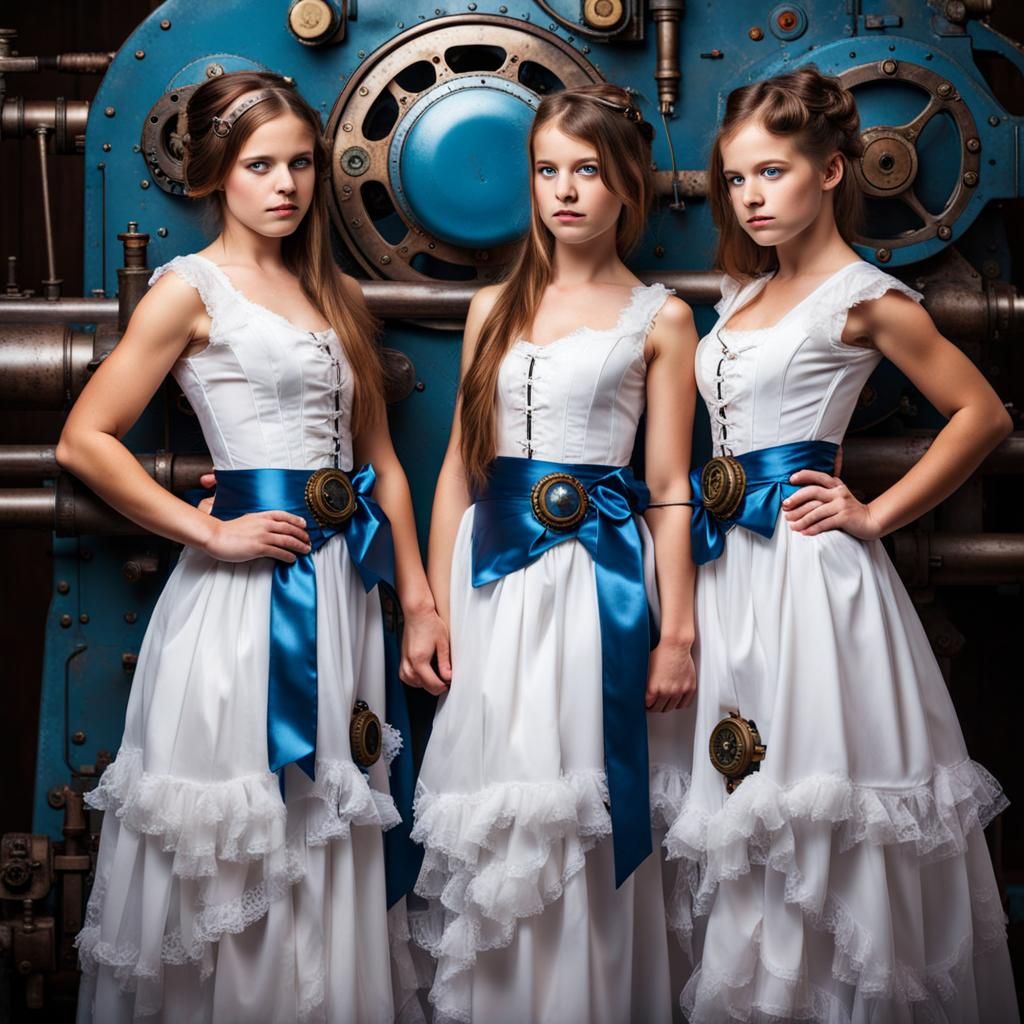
(365, 735)
(736, 749)
(723, 482)
(330, 497)
(559, 501)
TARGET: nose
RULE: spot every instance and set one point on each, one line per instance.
(752, 193)
(284, 183)
(565, 188)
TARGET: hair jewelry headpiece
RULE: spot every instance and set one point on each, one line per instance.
(222, 125)
(630, 113)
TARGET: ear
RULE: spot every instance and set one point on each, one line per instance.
(834, 171)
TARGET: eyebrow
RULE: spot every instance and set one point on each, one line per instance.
(576, 163)
(760, 165)
(265, 157)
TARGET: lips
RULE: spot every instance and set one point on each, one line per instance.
(283, 208)
(568, 215)
(760, 220)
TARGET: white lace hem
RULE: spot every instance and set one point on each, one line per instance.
(206, 824)
(755, 827)
(505, 853)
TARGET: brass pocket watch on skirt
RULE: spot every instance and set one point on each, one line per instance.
(365, 735)
(736, 749)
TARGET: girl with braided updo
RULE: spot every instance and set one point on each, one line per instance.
(243, 875)
(558, 754)
(836, 829)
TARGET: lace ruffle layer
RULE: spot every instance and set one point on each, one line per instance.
(505, 853)
(765, 824)
(225, 837)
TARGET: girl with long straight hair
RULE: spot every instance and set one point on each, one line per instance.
(847, 877)
(242, 874)
(556, 757)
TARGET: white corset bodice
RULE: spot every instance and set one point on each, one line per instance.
(579, 398)
(267, 393)
(795, 380)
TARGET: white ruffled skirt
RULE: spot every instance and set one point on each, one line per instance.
(215, 901)
(848, 881)
(525, 921)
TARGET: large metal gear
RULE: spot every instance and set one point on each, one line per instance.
(428, 170)
(888, 169)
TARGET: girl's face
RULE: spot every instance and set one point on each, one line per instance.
(270, 187)
(776, 191)
(570, 196)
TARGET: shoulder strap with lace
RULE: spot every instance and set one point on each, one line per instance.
(217, 297)
(646, 306)
(861, 284)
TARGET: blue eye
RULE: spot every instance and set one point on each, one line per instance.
(546, 172)
(772, 172)
(735, 179)
(302, 161)
(588, 170)
(258, 166)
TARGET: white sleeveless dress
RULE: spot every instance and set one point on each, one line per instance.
(526, 922)
(848, 881)
(215, 902)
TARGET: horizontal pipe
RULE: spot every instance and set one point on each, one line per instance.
(923, 559)
(178, 473)
(72, 63)
(386, 299)
(66, 119)
(960, 314)
(882, 460)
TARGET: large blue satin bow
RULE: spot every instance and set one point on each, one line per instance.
(292, 682)
(768, 471)
(507, 537)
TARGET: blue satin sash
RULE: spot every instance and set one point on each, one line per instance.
(292, 682)
(507, 537)
(768, 471)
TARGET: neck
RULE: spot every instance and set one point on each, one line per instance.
(818, 248)
(241, 244)
(595, 260)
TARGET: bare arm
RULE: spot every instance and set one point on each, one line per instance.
(168, 319)
(424, 633)
(671, 396)
(905, 334)
(451, 494)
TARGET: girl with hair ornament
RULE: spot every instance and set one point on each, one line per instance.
(558, 755)
(242, 874)
(848, 878)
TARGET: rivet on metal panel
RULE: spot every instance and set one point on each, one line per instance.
(165, 24)
(78, 738)
(131, 618)
(883, 255)
(162, 232)
(106, 147)
(144, 183)
(756, 33)
(140, 54)
(84, 618)
(65, 621)
(109, 111)
(63, 587)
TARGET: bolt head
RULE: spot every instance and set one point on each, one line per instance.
(165, 24)
(883, 255)
(109, 111)
(945, 232)
(65, 621)
(756, 33)
(140, 54)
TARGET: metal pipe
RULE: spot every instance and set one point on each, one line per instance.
(72, 63)
(666, 15)
(178, 473)
(955, 559)
(878, 461)
(65, 118)
(51, 286)
(45, 366)
(962, 315)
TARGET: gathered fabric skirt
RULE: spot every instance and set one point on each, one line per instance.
(216, 901)
(848, 880)
(525, 921)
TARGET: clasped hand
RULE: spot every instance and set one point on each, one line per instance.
(824, 503)
(671, 678)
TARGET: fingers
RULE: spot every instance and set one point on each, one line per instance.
(208, 480)
(805, 494)
(444, 659)
(206, 505)
(837, 469)
(417, 670)
(811, 476)
(817, 516)
(281, 554)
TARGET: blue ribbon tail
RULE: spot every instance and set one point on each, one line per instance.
(292, 684)
(625, 648)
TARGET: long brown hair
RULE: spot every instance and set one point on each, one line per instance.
(209, 158)
(821, 117)
(603, 116)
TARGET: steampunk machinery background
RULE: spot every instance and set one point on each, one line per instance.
(425, 108)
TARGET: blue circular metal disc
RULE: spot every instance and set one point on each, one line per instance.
(458, 163)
